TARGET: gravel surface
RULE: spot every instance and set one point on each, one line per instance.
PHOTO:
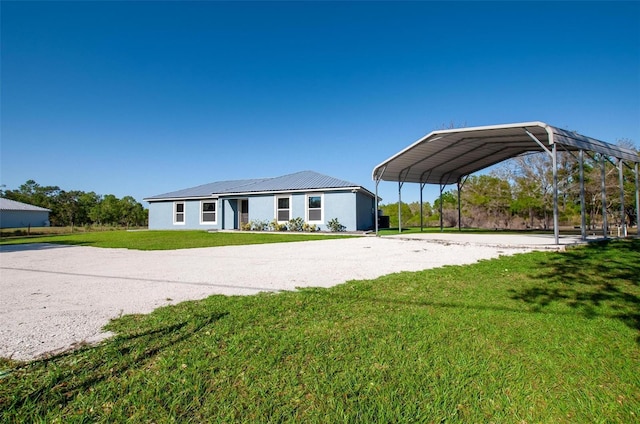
(55, 297)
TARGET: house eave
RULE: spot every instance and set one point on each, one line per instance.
(173, 199)
(298, 190)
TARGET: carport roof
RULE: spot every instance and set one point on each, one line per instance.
(445, 156)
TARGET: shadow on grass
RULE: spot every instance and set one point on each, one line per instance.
(26, 247)
(57, 382)
(601, 278)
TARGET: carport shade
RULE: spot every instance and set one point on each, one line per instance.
(446, 156)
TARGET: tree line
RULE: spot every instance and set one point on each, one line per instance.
(518, 194)
(79, 208)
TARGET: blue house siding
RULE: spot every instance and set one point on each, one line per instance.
(365, 207)
(262, 207)
(353, 210)
(298, 202)
(161, 216)
(342, 206)
(229, 215)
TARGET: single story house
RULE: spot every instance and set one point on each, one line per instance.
(314, 197)
(21, 215)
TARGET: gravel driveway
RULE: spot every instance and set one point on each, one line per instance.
(53, 297)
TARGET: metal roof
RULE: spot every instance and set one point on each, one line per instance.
(206, 190)
(12, 205)
(299, 181)
(445, 156)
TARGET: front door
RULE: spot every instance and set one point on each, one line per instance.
(244, 212)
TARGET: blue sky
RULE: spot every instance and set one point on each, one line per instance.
(143, 98)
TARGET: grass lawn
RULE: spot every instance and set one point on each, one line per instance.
(538, 337)
(455, 230)
(166, 240)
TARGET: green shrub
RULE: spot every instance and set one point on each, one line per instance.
(276, 226)
(259, 225)
(295, 224)
(335, 226)
(309, 228)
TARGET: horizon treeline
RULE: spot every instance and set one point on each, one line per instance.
(80, 208)
(518, 194)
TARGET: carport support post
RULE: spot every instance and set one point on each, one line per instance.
(441, 221)
(623, 225)
(554, 159)
(400, 207)
(637, 201)
(583, 220)
(603, 187)
(421, 214)
(459, 210)
(375, 215)
(556, 230)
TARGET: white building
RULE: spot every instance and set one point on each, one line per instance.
(21, 215)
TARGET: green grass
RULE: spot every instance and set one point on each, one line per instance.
(539, 337)
(166, 240)
(49, 231)
(414, 230)
(417, 230)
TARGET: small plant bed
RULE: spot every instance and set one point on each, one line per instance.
(296, 225)
(537, 337)
(166, 240)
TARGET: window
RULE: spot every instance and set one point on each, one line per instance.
(208, 215)
(178, 213)
(314, 208)
(283, 209)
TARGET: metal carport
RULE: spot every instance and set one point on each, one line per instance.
(447, 156)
